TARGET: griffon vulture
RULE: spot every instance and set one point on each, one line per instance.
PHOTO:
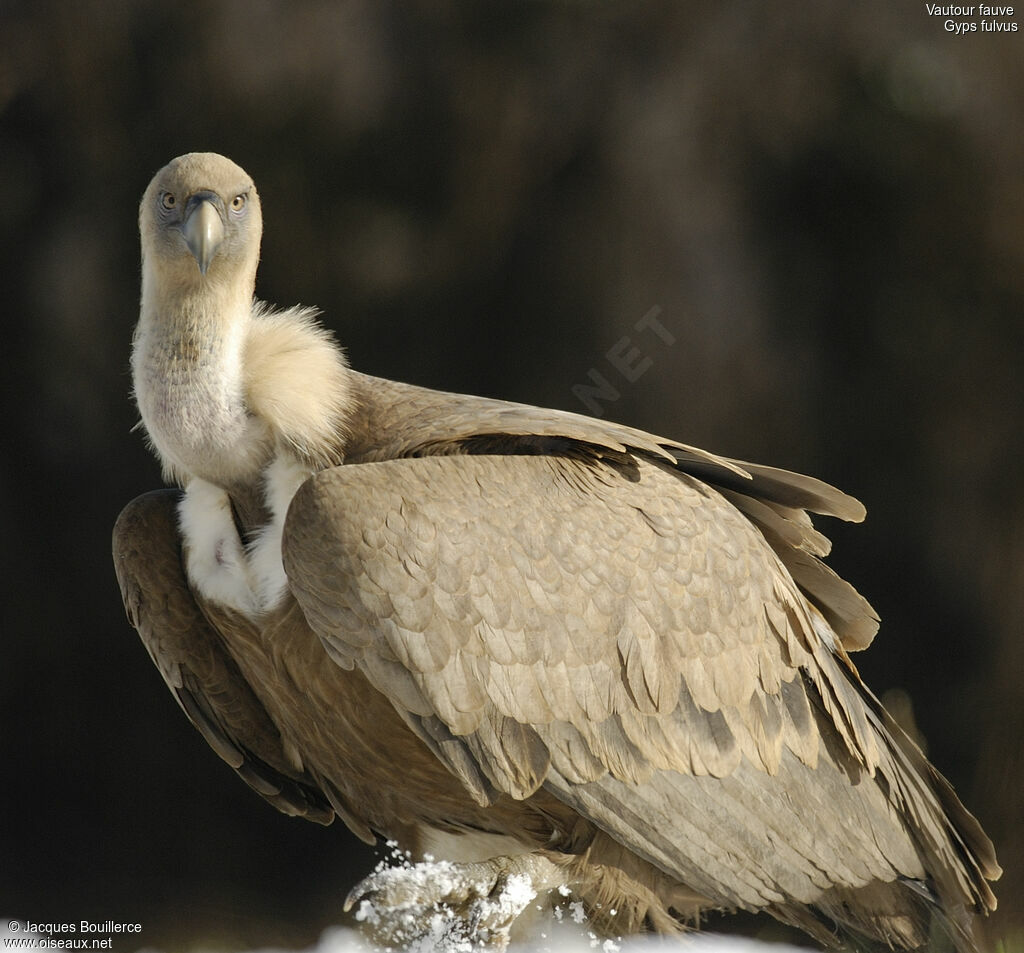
(521, 639)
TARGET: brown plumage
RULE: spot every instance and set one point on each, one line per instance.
(440, 616)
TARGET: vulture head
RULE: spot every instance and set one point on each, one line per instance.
(201, 218)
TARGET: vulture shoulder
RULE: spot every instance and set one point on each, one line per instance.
(392, 419)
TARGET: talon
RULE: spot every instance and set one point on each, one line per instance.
(353, 896)
(478, 901)
(371, 884)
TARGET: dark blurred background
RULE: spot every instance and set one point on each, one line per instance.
(823, 199)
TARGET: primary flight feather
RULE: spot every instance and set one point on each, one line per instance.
(527, 640)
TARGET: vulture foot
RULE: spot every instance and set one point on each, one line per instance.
(453, 906)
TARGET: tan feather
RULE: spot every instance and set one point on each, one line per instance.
(295, 379)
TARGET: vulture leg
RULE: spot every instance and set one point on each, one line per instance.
(476, 902)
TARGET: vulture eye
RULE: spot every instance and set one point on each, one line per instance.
(167, 200)
(238, 203)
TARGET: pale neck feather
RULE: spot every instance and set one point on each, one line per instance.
(187, 372)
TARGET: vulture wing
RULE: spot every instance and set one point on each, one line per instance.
(400, 420)
(576, 611)
(193, 661)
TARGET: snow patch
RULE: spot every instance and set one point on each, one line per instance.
(431, 906)
(559, 940)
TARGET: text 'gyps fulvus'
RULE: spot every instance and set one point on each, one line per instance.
(440, 617)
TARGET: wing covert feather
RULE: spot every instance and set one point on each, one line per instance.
(635, 611)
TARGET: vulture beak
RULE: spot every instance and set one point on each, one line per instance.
(203, 228)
